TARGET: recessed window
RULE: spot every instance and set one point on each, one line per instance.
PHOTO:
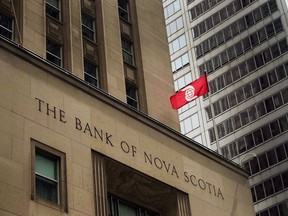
(48, 176)
(54, 52)
(132, 95)
(91, 74)
(127, 196)
(6, 26)
(124, 208)
(53, 8)
(127, 52)
(88, 27)
(123, 8)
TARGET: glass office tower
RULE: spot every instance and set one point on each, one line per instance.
(242, 46)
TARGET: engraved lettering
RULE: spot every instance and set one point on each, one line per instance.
(220, 193)
(40, 102)
(108, 141)
(53, 110)
(87, 128)
(62, 116)
(100, 134)
(78, 124)
(202, 184)
(124, 147)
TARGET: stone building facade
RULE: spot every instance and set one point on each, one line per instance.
(86, 127)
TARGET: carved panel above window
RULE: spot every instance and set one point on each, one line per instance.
(54, 30)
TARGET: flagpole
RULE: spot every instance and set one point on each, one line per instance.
(213, 119)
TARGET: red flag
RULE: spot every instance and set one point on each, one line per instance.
(190, 92)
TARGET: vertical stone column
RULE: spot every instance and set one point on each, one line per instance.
(183, 204)
(100, 184)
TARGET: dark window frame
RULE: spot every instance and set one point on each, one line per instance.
(53, 11)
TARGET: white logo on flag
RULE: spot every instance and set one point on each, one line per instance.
(189, 93)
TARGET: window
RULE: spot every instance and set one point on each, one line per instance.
(133, 186)
(123, 8)
(180, 62)
(233, 149)
(265, 10)
(256, 86)
(6, 26)
(223, 14)
(283, 124)
(48, 176)
(220, 82)
(53, 52)
(172, 9)
(234, 29)
(277, 182)
(248, 91)
(262, 34)
(267, 55)
(88, 29)
(187, 125)
(216, 18)
(275, 128)
(264, 82)
(249, 19)
(268, 187)
(177, 44)
(261, 109)
(263, 161)
(266, 132)
(199, 9)
(231, 53)
(239, 49)
(224, 57)
(216, 107)
(212, 135)
(246, 44)
(280, 72)
(280, 151)
(132, 95)
(242, 24)
(254, 39)
(249, 141)
(271, 157)
(221, 130)
(127, 52)
(252, 113)
(240, 95)
(283, 46)
(118, 207)
(228, 78)
(278, 25)
(175, 26)
(257, 14)
(244, 117)
(227, 34)
(224, 103)
(209, 23)
(277, 100)
(195, 121)
(275, 51)
(91, 74)
(237, 122)
(257, 137)
(53, 8)
(232, 99)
